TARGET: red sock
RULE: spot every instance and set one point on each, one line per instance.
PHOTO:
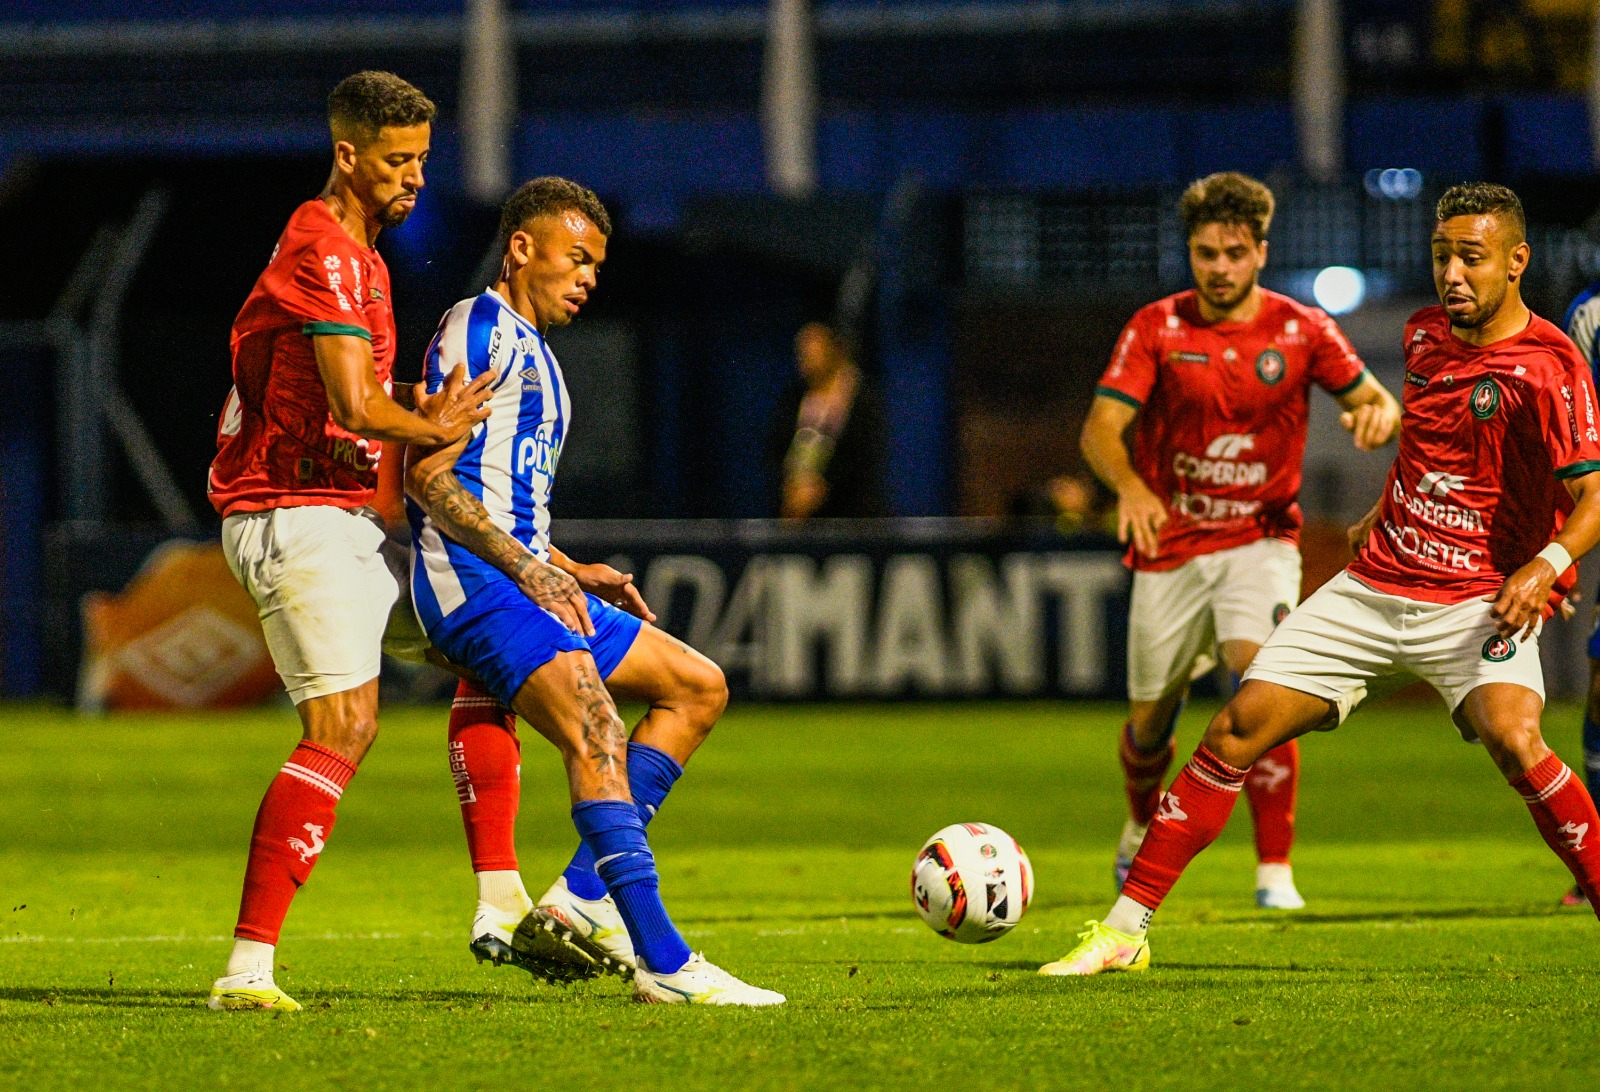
(1142, 775)
(1192, 814)
(294, 821)
(485, 760)
(1273, 783)
(1566, 817)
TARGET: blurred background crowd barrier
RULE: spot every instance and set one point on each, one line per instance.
(974, 196)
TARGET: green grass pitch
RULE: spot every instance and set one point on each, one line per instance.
(1432, 955)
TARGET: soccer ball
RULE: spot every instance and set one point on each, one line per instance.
(971, 882)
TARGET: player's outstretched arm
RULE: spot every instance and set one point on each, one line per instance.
(604, 582)
(1140, 513)
(1522, 598)
(431, 482)
(1361, 530)
(360, 404)
(1371, 414)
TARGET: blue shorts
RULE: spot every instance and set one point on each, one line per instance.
(503, 637)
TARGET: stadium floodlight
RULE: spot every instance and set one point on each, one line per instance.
(1339, 289)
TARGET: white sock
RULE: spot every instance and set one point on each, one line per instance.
(251, 957)
(1274, 875)
(1129, 917)
(503, 890)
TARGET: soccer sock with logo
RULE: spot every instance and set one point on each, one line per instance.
(485, 762)
(1591, 756)
(1271, 789)
(614, 833)
(1192, 814)
(1565, 815)
(1143, 771)
(651, 774)
(295, 819)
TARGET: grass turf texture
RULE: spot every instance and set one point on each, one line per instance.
(1432, 952)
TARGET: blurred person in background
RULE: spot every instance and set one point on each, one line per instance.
(1582, 325)
(1072, 504)
(1215, 383)
(829, 434)
(294, 479)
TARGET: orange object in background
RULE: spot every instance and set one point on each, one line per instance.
(182, 635)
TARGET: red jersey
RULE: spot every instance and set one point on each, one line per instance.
(1487, 436)
(1222, 430)
(277, 443)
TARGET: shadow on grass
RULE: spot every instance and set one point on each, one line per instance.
(1453, 913)
(111, 997)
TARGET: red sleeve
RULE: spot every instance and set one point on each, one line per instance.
(1131, 376)
(323, 289)
(1567, 416)
(1335, 367)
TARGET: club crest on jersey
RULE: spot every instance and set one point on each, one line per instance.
(1485, 399)
(1270, 366)
(1498, 649)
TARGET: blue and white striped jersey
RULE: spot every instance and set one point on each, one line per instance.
(1582, 325)
(510, 460)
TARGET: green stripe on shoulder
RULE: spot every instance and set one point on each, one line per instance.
(313, 329)
(1112, 392)
(1578, 470)
(1353, 384)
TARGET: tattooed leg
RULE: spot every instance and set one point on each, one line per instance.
(567, 703)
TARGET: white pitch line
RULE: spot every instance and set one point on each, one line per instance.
(180, 939)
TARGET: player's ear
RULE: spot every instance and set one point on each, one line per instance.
(344, 157)
(519, 249)
(1518, 259)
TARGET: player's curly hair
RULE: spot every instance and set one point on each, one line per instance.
(1227, 198)
(546, 197)
(1484, 199)
(368, 101)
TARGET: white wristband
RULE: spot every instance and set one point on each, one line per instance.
(1557, 555)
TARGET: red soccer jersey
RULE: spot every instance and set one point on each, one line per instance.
(277, 444)
(1222, 430)
(1487, 437)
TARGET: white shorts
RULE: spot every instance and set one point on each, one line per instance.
(322, 589)
(1178, 617)
(1349, 640)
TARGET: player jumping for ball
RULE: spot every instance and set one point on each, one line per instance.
(1499, 451)
(1216, 382)
(294, 477)
(492, 601)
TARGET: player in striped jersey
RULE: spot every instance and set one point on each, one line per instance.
(496, 598)
(1583, 327)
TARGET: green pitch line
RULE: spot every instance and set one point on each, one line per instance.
(1432, 954)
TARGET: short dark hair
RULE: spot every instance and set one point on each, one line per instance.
(1227, 198)
(1484, 199)
(369, 101)
(548, 196)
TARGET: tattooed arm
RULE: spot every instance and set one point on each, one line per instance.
(432, 483)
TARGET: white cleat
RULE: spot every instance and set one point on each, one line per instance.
(1275, 888)
(586, 936)
(492, 930)
(699, 982)
(249, 992)
(1127, 849)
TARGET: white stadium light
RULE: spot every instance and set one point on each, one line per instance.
(1339, 289)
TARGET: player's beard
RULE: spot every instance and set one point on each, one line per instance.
(1229, 298)
(1485, 311)
(394, 214)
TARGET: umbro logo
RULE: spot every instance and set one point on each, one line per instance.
(1437, 483)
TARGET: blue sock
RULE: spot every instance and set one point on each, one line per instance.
(614, 833)
(651, 774)
(1591, 756)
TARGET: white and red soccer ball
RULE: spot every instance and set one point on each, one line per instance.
(971, 882)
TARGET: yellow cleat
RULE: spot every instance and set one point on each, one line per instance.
(249, 992)
(1101, 948)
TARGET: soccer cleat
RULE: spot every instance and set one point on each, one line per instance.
(1101, 948)
(492, 935)
(1575, 897)
(1127, 849)
(593, 926)
(699, 982)
(1275, 888)
(247, 991)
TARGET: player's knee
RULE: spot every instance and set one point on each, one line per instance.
(708, 694)
(1235, 737)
